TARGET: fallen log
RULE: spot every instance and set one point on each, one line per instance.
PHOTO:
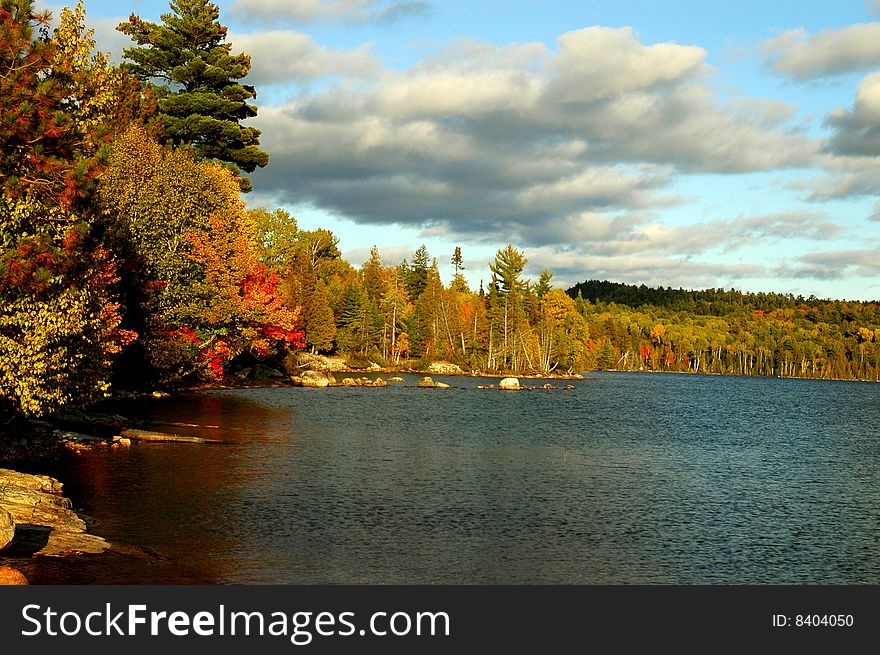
(178, 424)
(164, 437)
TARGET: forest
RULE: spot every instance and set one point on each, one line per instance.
(718, 331)
(129, 258)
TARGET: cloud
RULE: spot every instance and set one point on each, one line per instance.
(571, 267)
(857, 131)
(835, 264)
(307, 11)
(283, 56)
(802, 56)
(521, 142)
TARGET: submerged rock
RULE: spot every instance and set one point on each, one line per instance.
(396, 378)
(427, 383)
(509, 383)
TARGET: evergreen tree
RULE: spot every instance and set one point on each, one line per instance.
(320, 325)
(457, 261)
(200, 99)
(417, 278)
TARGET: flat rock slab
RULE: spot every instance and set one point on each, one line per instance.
(45, 524)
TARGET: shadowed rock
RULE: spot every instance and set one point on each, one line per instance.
(45, 524)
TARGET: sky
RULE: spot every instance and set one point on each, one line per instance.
(674, 143)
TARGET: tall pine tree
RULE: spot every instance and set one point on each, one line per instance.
(200, 99)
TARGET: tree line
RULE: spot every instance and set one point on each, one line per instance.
(718, 331)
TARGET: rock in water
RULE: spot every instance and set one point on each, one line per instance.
(11, 576)
(7, 528)
(509, 383)
(314, 379)
(426, 383)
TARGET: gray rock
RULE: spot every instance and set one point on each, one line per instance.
(263, 372)
(428, 383)
(7, 528)
(509, 383)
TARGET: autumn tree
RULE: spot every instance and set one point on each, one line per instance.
(60, 104)
(199, 293)
(196, 78)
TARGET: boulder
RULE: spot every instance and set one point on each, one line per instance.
(379, 382)
(348, 382)
(7, 528)
(45, 524)
(263, 372)
(11, 576)
(509, 383)
(444, 368)
(428, 383)
(315, 379)
(395, 379)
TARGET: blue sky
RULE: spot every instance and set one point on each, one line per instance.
(680, 143)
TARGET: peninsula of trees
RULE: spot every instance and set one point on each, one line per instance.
(128, 257)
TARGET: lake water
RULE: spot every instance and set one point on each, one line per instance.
(629, 478)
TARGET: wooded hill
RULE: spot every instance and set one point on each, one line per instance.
(718, 331)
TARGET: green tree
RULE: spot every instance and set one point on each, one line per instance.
(417, 273)
(320, 325)
(507, 311)
(200, 99)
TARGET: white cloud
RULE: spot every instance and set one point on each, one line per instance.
(307, 11)
(284, 56)
(835, 264)
(479, 139)
(601, 62)
(803, 56)
(857, 131)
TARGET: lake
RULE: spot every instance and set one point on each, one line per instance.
(628, 478)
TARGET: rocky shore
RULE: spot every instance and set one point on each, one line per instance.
(37, 520)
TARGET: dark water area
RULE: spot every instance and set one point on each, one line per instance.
(629, 478)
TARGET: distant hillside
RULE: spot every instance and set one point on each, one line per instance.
(712, 302)
(717, 331)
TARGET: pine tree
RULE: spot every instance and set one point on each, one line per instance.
(320, 327)
(200, 101)
(417, 277)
